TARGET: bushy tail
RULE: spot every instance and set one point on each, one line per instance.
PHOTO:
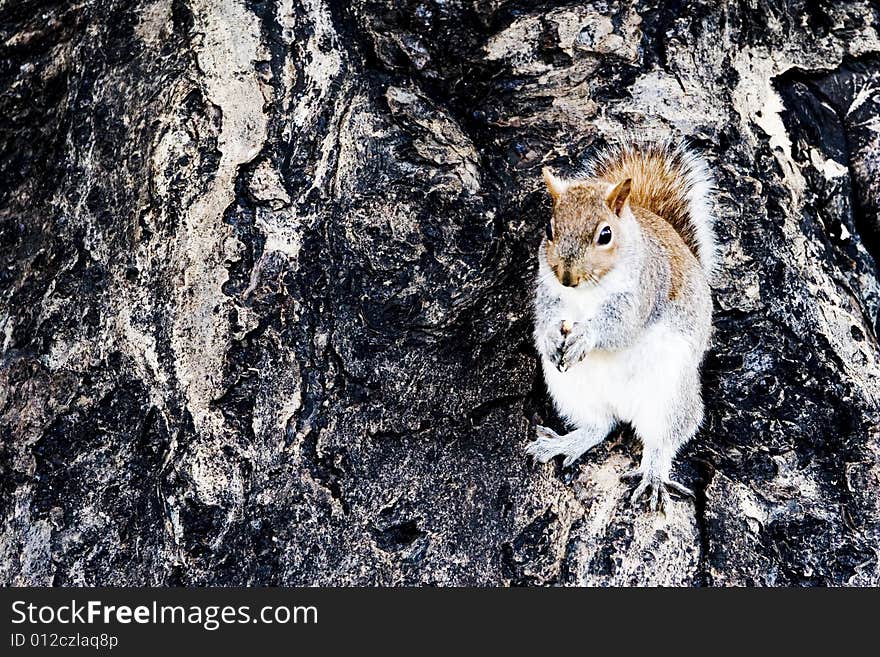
(671, 181)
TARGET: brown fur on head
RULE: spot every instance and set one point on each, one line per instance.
(583, 238)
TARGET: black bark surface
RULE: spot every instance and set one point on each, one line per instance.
(265, 271)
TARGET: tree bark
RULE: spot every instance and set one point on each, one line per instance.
(266, 273)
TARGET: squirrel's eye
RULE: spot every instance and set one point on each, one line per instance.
(549, 228)
(604, 236)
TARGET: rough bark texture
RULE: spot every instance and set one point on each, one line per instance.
(266, 273)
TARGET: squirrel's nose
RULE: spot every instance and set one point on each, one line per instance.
(567, 279)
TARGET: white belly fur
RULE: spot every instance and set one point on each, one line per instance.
(634, 385)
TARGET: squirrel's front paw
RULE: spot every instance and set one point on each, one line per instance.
(553, 342)
(578, 343)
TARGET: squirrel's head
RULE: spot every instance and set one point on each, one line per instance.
(584, 234)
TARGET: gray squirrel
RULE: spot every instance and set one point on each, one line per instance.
(623, 309)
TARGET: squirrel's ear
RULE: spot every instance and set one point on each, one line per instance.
(556, 186)
(618, 196)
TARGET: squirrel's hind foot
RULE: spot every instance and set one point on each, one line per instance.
(550, 444)
(656, 489)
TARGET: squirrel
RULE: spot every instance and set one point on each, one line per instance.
(623, 307)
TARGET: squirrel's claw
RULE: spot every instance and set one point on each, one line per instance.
(578, 343)
(550, 444)
(566, 344)
(545, 446)
(629, 475)
(641, 489)
(684, 491)
(657, 490)
(556, 359)
(658, 497)
(552, 346)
